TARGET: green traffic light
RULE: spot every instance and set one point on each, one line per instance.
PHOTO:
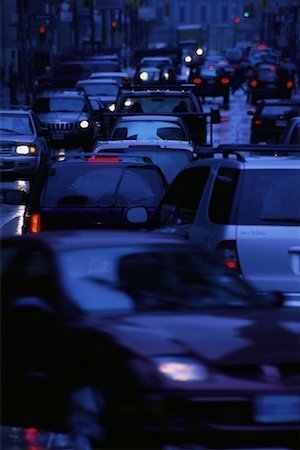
(246, 14)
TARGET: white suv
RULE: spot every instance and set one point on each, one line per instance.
(247, 209)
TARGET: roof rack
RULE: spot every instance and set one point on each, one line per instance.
(60, 90)
(261, 149)
(109, 156)
(158, 87)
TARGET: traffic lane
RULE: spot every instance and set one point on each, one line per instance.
(11, 217)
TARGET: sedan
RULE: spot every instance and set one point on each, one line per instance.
(23, 145)
(270, 119)
(140, 340)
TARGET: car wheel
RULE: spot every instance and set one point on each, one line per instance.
(84, 418)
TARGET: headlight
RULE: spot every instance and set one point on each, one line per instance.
(84, 124)
(199, 51)
(127, 103)
(166, 75)
(25, 150)
(188, 59)
(112, 107)
(144, 76)
(181, 369)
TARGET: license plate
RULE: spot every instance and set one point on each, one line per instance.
(277, 409)
(281, 123)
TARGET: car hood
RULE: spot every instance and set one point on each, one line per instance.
(16, 139)
(62, 117)
(265, 336)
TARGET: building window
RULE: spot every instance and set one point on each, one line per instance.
(224, 13)
(203, 13)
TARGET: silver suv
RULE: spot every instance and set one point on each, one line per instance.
(247, 208)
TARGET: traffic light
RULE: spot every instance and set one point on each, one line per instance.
(248, 11)
(114, 25)
(42, 32)
(237, 20)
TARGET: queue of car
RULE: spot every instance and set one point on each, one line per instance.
(197, 341)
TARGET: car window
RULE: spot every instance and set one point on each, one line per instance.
(157, 104)
(99, 185)
(267, 75)
(47, 105)
(221, 201)
(180, 203)
(99, 278)
(149, 130)
(264, 197)
(295, 138)
(277, 110)
(103, 89)
(18, 124)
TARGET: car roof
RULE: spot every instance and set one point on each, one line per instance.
(149, 117)
(147, 144)
(71, 93)
(109, 74)
(109, 160)
(77, 239)
(97, 81)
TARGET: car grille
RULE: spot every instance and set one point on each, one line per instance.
(6, 149)
(62, 126)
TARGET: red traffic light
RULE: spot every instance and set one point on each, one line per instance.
(237, 20)
(114, 24)
(42, 29)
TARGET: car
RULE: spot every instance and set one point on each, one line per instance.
(175, 100)
(291, 133)
(243, 204)
(105, 89)
(211, 81)
(143, 340)
(147, 126)
(269, 81)
(89, 191)
(169, 156)
(69, 117)
(23, 144)
(270, 118)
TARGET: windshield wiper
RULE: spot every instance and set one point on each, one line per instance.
(10, 131)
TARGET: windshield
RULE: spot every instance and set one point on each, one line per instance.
(149, 278)
(48, 105)
(97, 185)
(103, 89)
(149, 130)
(15, 123)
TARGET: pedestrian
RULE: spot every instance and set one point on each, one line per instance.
(13, 82)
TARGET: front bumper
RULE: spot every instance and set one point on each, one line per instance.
(19, 166)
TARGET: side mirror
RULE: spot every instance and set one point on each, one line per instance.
(215, 116)
(137, 215)
(14, 197)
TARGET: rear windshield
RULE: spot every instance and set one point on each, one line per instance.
(277, 110)
(270, 197)
(103, 89)
(93, 185)
(149, 130)
(157, 104)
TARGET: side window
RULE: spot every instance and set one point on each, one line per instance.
(295, 138)
(181, 201)
(221, 201)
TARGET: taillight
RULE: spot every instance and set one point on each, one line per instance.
(289, 84)
(224, 80)
(197, 80)
(258, 122)
(228, 252)
(35, 223)
(253, 83)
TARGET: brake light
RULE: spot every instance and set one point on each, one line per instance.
(253, 83)
(211, 67)
(258, 122)
(104, 159)
(35, 223)
(273, 68)
(228, 252)
(289, 84)
(197, 80)
(224, 80)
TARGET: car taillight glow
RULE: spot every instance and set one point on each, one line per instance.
(258, 122)
(289, 84)
(228, 252)
(35, 223)
(104, 159)
(253, 83)
(197, 80)
(224, 80)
